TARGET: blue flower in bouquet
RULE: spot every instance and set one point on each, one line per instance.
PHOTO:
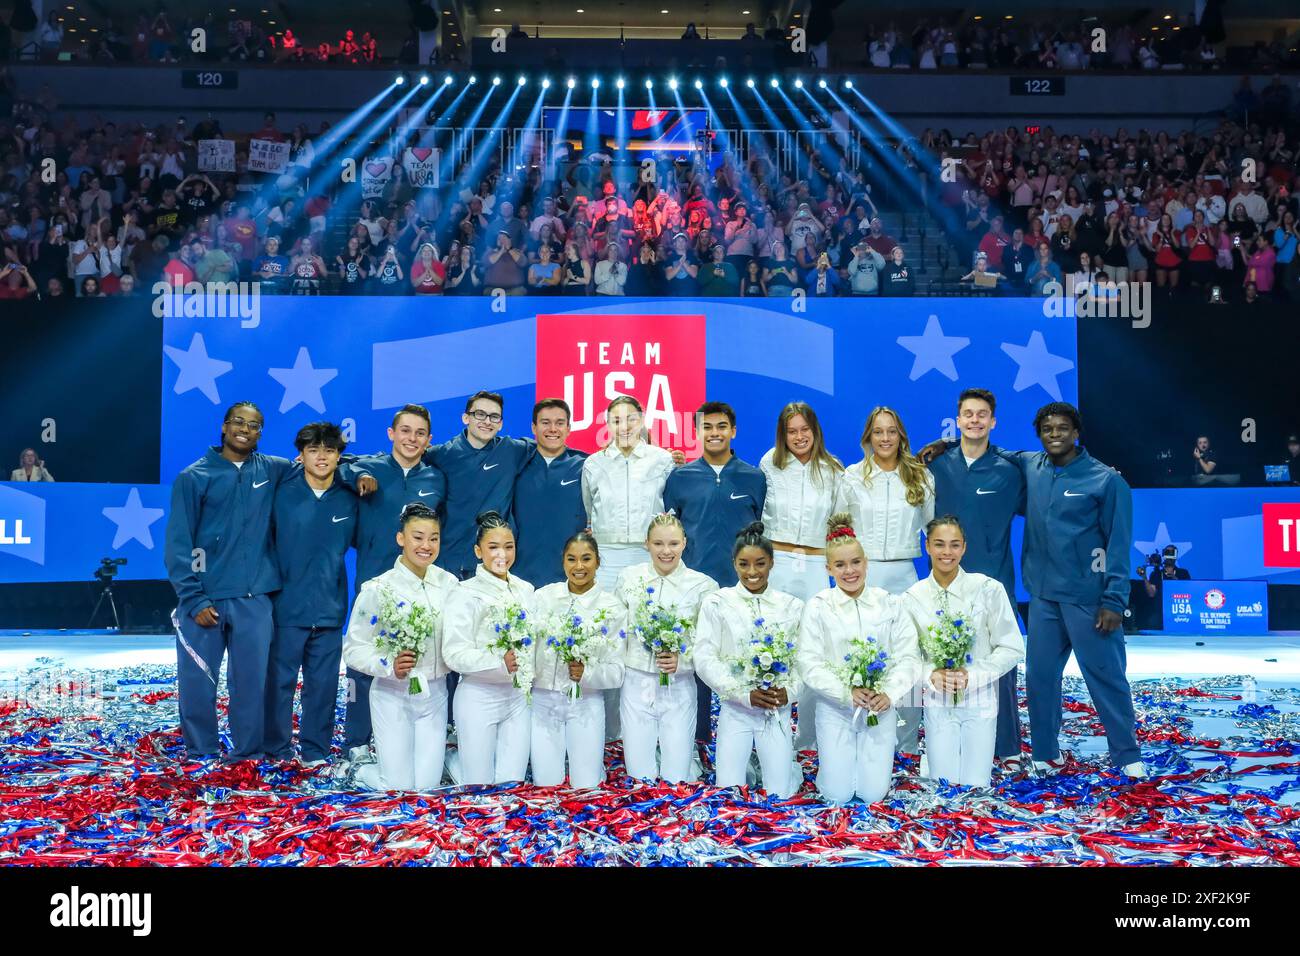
(374, 619)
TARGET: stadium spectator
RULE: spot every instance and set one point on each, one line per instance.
(30, 467)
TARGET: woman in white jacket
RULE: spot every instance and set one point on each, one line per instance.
(730, 621)
(854, 758)
(960, 733)
(890, 495)
(410, 729)
(623, 488)
(493, 724)
(563, 723)
(654, 715)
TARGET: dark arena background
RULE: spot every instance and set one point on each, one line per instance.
(334, 210)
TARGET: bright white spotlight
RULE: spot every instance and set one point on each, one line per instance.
(546, 83)
(750, 82)
(595, 82)
(774, 82)
(496, 81)
(400, 80)
(570, 82)
(672, 83)
(649, 84)
(798, 84)
(723, 82)
(446, 80)
(848, 84)
(699, 85)
(424, 80)
(523, 80)
(821, 84)
(619, 83)
(473, 79)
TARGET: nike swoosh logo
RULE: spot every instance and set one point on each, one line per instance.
(564, 484)
(490, 467)
(738, 497)
(336, 519)
(981, 491)
(1074, 494)
(425, 494)
(259, 484)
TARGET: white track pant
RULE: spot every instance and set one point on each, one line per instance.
(896, 577)
(410, 735)
(801, 575)
(613, 559)
(575, 727)
(959, 739)
(493, 727)
(652, 716)
(742, 730)
(854, 759)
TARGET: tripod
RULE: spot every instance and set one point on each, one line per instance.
(106, 593)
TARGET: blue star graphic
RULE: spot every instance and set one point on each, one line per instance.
(196, 369)
(302, 383)
(1161, 539)
(933, 350)
(1037, 365)
(133, 520)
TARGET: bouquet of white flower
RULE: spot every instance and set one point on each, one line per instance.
(403, 626)
(515, 633)
(766, 662)
(659, 629)
(947, 643)
(576, 640)
(864, 666)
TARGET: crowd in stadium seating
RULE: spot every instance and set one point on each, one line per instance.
(124, 207)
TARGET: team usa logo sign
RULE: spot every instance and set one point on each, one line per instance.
(589, 360)
(1214, 599)
(1282, 534)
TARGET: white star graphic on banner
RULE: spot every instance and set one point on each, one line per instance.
(933, 350)
(197, 370)
(1037, 365)
(302, 383)
(1158, 545)
(133, 521)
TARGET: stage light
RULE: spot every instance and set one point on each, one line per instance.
(699, 85)
(848, 84)
(723, 82)
(798, 84)
(672, 83)
(750, 82)
(619, 82)
(400, 80)
(821, 84)
(424, 80)
(570, 82)
(523, 80)
(446, 80)
(774, 82)
(546, 83)
(496, 81)
(473, 79)
(595, 82)
(649, 84)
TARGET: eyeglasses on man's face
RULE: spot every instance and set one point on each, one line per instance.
(253, 427)
(481, 416)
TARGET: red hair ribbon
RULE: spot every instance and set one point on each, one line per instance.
(841, 533)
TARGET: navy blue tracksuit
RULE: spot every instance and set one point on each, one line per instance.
(1078, 533)
(218, 555)
(478, 480)
(714, 507)
(312, 537)
(548, 510)
(986, 495)
(376, 542)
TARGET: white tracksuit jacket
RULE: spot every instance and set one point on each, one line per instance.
(468, 627)
(433, 590)
(623, 492)
(725, 626)
(683, 589)
(597, 675)
(797, 504)
(888, 528)
(832, 619)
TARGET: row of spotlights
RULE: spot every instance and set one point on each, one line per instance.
(620, 83)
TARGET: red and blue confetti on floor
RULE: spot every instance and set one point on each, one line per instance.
(99, 778)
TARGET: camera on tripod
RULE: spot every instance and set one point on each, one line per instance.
(107, 569)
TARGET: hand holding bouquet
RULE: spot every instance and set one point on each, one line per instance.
(864, 668)
(767, 661)
(515, 633)
(660, 630)
(947, 644)
(403, 628)
(578, 641)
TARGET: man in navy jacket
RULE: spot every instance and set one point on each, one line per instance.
(548, 507)
(715, 497)
(315, 523)
(219, 560)
(975, 483)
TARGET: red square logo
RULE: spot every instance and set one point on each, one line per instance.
(589, 360)
(1282, 535)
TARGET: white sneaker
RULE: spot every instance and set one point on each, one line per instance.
(360, 754)
(1137, 770)
(1046, 768)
